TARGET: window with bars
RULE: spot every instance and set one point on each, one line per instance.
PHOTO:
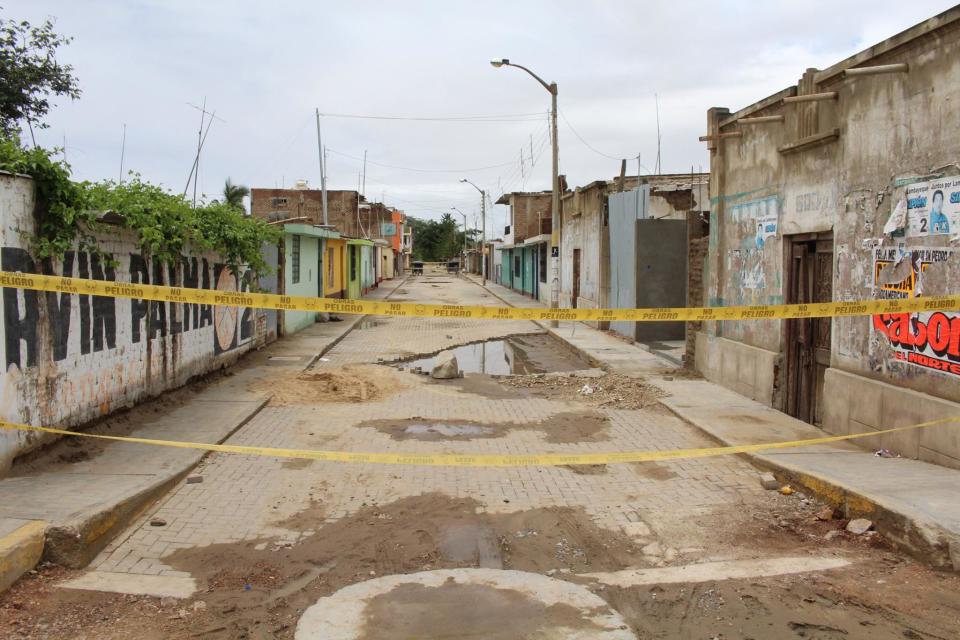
(295, 260)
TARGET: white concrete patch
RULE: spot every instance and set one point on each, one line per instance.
(343, 615)
(723, 570)
(144, 585)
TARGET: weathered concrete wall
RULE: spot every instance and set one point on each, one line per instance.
(842, 165)
(71, 358)
(584, 214)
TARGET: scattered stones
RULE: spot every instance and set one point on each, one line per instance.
(168, 601)
(199, 605)
(859, 526)
(825, 514)
(446, 367)
(831, 535)
(194, 479)
(158, 522)
(769, 482)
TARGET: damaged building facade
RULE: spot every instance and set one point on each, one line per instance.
(844, 187)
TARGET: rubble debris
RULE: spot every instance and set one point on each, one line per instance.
(610, 390)
(158, 522)
(446, 366)
(859, 526)
(769, 482)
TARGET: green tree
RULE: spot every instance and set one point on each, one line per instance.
(233, 194)
(30, 74)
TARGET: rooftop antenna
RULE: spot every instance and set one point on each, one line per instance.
(123, 150)
(323, 170)
(364, 191)
(656, 99)
(201, 138)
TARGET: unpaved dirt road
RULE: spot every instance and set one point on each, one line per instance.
(260, 540)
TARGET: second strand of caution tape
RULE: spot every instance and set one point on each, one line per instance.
(468, 460)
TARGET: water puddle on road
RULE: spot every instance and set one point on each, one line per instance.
(447, 430)
(515, 355)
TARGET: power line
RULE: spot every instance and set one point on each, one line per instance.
(392, 166)
(510, 117)
(587, 144)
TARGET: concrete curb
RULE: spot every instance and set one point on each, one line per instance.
(74, 544)
(21, 546)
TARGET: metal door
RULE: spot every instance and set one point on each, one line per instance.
(808, 339)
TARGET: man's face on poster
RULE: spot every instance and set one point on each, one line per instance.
(937, 205)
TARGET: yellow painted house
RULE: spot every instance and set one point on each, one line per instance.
(334, 277)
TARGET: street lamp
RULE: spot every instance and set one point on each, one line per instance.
(555, 213)
(483, 232)
(464, 231)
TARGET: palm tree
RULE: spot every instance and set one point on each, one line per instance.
(233, 194)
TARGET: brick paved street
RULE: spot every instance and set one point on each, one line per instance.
(245, 544)
(247, 497)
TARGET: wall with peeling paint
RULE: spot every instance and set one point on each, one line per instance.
(840, 165)
(69, 359)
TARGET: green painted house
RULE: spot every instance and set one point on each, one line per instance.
(302, 268)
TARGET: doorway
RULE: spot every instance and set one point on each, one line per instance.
(575, 294)
(810, 279)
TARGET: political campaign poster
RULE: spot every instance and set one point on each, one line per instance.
(933, 208)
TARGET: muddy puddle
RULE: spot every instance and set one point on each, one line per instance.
(567, 427)
(515, 355)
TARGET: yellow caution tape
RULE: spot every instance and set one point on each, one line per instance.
(384, 308)
(466, 460)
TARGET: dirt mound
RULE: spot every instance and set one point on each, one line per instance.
(612, 390)
(352, 383)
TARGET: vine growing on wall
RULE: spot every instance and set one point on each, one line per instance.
(167, 225)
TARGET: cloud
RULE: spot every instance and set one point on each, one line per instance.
(265, 67)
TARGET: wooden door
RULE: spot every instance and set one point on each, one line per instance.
(808, 339)
(576, 278)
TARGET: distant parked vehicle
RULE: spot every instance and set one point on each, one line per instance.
(418, 268)
(453, 266)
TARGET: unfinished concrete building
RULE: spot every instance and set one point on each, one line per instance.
(844, 187)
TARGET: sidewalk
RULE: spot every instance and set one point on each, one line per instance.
(69, 512)
(913, 504)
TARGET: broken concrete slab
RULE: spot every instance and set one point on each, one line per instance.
(769, 482)
(721, 570)
(113, 582)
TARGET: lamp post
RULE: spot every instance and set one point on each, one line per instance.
(555, 213)
(464, 232)
(483, 232)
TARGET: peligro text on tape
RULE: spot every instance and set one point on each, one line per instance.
(482, 460)
(385, 308)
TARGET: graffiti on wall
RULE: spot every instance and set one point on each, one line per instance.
(933, 208)
(930, 341)
(90, 323)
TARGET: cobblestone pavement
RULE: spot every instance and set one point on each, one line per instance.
(249, 497)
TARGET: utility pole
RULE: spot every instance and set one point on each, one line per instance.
(555, 204)
(483, 233)
(323, 171)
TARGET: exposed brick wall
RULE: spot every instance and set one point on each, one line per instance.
(527, 211)
(697, 249)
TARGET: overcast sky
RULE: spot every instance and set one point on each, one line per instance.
(265, 66)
